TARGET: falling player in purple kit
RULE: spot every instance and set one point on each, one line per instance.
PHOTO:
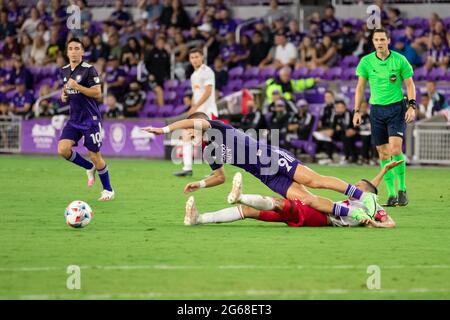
(82, 90)
(277, 168)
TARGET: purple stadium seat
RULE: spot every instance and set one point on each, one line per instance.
(251, 73)
(171, 84)
(300, 73)
(165, 111)
(267, 73)
(149, 110)
(420, 74)
(317, 72)
(333, 73)
(250, 84)
(179, 109)
(349, 61)
(236, 73)
(418, 32)
(234, 85)
(416, 21)
(396, 34)
(313, 97)
(436, 74)
(348, 74)
(169, 96)
(446, 22)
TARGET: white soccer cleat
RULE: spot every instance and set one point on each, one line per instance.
(106, 195)
(91, 176)
(236, 190)
(191, 216)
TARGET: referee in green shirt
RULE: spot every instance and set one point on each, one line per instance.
(385, 70)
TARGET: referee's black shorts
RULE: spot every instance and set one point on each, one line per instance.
(387, 121)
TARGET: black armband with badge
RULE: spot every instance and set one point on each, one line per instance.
(412, 104)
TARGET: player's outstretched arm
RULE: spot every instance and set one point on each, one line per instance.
(377, 180)
(217, 178)
(388, 223)
(182, 124)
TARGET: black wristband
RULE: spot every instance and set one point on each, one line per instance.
(412, 104)
(356, 110)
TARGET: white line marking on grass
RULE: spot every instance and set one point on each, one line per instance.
(221, 267)
(248, 293)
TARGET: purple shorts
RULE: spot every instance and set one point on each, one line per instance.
(282, 180)
(92, 136)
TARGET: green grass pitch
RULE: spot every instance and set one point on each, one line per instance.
(138, 247)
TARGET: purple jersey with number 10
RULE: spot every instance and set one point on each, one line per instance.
(274, 166)
(84, 110)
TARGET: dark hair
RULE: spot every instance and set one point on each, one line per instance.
(75, 40)
(371, 186)
(424, 94)
(198, 115)
(340, 101)
(381, 30)
(196, 50)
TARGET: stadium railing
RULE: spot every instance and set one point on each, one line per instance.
(432, 141)
(10, 134)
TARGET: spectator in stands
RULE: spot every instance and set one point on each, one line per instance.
(365, 134)
(283, 55)
(254, 119)
(200, 13)
(307, 53)
(324, 130)
(115, 78)
(300, 123)
(274, 13)
(438, 54)
(6, 27)
(425, 110)
(243, 50)
(30, 24)
(221, 75)
(119, 17)
(225, 24)
(211, 43)
(279, 120)
(276, 95)
(10, 47)
(343, 131)
(114, 109)
(279, 26)
(20, 73)
(187, 100)
(5, 111)
(131, 53)
(229, 51)
(39, 51)
(409, 52)
(264, 30)
(15, 14)
(294, 35)
(45, 32)
(134, 100)
(287, 86)
(329, 25)
(346, 42)
(25, 50)
(175, 15)
(115, 49)
(47, 107)
(157, 63)
(181, 56)
(56, 48)
(395, 21)
(365, 45)
(88, 46)
(383, 15)
(409, 37)
(58, 12)
(194, 34)
(99, 48)
(326, 53)
(258, 51)
(438, 99)
(22, 101)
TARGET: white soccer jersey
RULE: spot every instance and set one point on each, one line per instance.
(347, 221)
(201, 78)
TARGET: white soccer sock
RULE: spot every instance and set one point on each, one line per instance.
(187, 156)
(225, 215)
(258, 202)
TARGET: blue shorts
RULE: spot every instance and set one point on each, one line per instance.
(92, 136)
(282, 180)
(387, 121)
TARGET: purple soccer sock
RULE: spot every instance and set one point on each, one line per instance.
(353, 192)
(104, 178)
(76, 158)
(340, 210)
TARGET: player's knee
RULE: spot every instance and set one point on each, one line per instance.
(64, 150)
(317, 183)
(396, 150)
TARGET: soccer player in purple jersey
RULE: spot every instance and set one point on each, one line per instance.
(82, 90)
(277, 168)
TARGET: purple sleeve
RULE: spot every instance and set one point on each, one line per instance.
(93, 78)
(29, 98)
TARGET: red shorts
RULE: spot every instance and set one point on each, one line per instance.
(296, 214)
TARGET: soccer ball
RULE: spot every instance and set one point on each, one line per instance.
(78, 214)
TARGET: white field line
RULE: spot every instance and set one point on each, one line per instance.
(222, 267)
(247, 293)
